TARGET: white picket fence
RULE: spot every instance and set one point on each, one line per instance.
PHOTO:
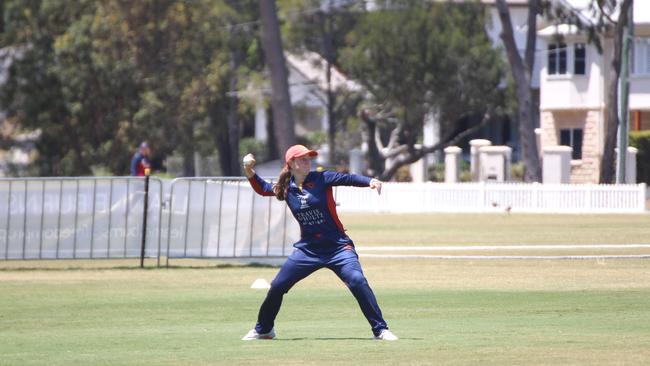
(494, 197)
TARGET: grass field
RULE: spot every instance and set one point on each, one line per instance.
(471, 229)
(452, 312)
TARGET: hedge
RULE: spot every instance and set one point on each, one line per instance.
(641, 140)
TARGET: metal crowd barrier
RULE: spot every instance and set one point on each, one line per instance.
(78, 218)
(225, 218)
(103, 218)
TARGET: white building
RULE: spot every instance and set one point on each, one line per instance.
(573, 89)
(501, 132)
(308, 90)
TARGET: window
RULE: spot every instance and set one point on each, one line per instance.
(572, 137)
(641, 56)
(579, 59)
(557, 59)
(564, 60)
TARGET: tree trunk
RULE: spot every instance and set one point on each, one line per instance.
(522, 75)
(374, 159)
(233, 123)
(224, 153)
(216, 113)
(328, 51)
(607, 167)
(188, 162)
(403, 154)
(331, 119)
(280, 100)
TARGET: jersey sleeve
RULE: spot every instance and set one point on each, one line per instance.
(331, 178)
(134, 165)
(260, 186)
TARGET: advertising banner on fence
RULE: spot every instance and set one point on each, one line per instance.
(76, 218)
(63, 218)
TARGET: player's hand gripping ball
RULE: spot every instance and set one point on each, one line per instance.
(249, 160)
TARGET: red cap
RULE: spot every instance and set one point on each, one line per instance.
(297, 151)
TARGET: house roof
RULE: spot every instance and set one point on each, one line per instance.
(310, 66)
(559, 29)
(314, 68)
(585, 10)
(489, 2)
(509, 2)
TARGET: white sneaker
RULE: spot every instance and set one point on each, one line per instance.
(386, 335)
(252, 335)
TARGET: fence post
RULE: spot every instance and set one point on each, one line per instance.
(8, 227)
(642, 196)
(144, 215)
(160, 209)
(25, 220)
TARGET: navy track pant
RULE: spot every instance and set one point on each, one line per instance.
(300, 264)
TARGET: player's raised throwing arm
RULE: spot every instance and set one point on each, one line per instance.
(260, 186)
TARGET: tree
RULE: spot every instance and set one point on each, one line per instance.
(99, 77)
(243, 64)
(605, 10)
(36, 95)
(522, 70)
(321, 26)
(419, 59)
(285, 135)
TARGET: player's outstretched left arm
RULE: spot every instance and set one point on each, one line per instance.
(342, 179)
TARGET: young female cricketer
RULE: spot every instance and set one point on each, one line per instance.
(323, 242)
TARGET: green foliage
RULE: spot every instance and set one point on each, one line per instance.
(436, 172)
(315, 139)
(403, 175)
(256, 147)
(481, 312)
(517, 172)
(427, 56)
(311, 25)
(99, 77)
(641, 140)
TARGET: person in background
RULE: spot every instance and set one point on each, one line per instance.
(140, 160)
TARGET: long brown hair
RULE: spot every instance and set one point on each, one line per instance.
(281, 187)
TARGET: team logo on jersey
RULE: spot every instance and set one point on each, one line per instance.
(303, 201)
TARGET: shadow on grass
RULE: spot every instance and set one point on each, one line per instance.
(59, 266)
(339, 339)
(323, 339)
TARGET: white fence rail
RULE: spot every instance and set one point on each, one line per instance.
(494, 197)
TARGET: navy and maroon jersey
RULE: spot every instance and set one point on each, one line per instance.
(314, 208)
(139, 163)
